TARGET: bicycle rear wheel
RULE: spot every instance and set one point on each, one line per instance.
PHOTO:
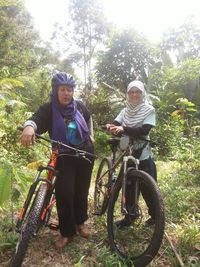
(136, 243)
(30, 226)
(102, 184)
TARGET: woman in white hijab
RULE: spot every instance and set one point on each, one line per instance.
(136, 120)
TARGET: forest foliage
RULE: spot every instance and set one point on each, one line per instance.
(109, 58)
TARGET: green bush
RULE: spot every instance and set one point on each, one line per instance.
(101, 145)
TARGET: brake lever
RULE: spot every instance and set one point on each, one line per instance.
(87, 159)
(83, 155)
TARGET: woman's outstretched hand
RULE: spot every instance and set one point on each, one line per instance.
(27, 137)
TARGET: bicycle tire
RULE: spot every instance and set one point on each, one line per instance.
(30, 226)
(102, 183)
(136, 244)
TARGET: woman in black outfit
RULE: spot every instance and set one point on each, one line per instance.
(66, 120)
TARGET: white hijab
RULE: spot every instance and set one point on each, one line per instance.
(135, 114)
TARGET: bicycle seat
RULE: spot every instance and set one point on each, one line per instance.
(114, 141)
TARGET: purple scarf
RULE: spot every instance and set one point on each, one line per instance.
(68, 112)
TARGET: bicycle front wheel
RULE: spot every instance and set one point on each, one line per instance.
(102, 184)
(30, 226)
(129, 236)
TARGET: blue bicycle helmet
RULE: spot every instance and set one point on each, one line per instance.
(62, 78)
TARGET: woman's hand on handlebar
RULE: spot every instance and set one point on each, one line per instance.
(109, 126)
(113, 129)
(27, 137)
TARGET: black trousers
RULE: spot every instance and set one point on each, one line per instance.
(71, 188)
(148, 166)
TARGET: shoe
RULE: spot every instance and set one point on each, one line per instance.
(63, 241)
(149, 222)
(122, 223)
(83, 230)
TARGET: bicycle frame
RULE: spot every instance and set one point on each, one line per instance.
(123, 158)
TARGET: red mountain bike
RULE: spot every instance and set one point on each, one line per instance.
(37, 207)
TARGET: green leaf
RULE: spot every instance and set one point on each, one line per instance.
(5, 185)
(7, 82)
(23, 180)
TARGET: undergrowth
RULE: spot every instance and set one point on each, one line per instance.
(179, 182)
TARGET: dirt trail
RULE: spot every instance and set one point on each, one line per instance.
(79, 253)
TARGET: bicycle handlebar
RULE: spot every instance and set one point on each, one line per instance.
(152, 143)
(58, 144)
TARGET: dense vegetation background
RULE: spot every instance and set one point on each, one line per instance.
(110, 59)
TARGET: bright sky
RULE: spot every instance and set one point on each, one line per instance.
(150, 17)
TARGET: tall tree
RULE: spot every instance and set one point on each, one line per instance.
(90, 27)
(126, 58)
(17, 39)
(25, 57)
(183, 45)
(21, 49)
(183, 42)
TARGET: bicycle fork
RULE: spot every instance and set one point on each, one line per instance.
(126, 171)
(32, 190)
